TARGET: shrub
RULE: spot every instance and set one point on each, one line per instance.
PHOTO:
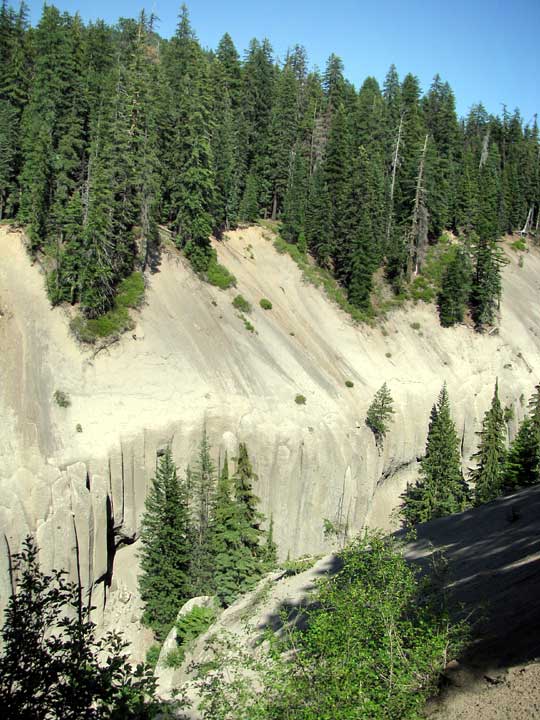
(349, 383)
(62, 398)
(415, 325)
(219, 276)
(188, 628)
(300, 400)
(373, 643)
(379, 413)
(130, 292)
(152, 654)
(519, 245)
(78, 427)
(240, 303)
(265, 304)
(388, 354)
(249, 327)
(194, 623)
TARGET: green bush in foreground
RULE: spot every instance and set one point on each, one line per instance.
(265, 304)
(300, 399)
(375, 641)
(52, 665)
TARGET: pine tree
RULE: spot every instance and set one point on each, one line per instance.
(455, 289)
(487, 285)
(488, 475)
(235, 567)
(379, 414)
(294, 205)
(269, 549)
(166, 540)
(247, 502)
(523, 460)
(203, 503)
(440, 489)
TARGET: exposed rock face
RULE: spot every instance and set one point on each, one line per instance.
(191, 361)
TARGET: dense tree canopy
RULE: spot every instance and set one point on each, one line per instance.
(107, 132)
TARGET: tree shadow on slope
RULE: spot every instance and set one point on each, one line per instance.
(493, 576)
(293, 612)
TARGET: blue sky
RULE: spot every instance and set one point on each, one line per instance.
(488, 50)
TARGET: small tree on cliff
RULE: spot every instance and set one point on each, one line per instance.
(166, 548)
(523, 462)
(379, 414)
(488, 475)
(441, 489)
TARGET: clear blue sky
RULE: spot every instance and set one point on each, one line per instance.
(488, 50)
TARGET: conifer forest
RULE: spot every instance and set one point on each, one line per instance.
(110, 133)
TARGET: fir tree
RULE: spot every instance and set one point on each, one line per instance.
(247, 501)
(488, 475)
(523, 460)
(165, 582)
(487, 285)
(455, 289)
(380, 413)
(203, 503)
(440, 489)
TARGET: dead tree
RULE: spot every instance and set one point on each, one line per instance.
(418, 236)
(395, 163)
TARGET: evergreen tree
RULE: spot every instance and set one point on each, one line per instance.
(379, 414)
(166, 537)
(486, 286)
(294, 206)
(203, 502)
(523, 460)
(236, 568)
(247, 502)
(455, 289)
(440, 489)
(488, 475)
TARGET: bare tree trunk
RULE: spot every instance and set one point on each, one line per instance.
(395, 161)
(485, 150)
(528, 222)
(274, 206)
(419, 225)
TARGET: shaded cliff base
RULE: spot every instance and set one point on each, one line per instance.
(493, 571)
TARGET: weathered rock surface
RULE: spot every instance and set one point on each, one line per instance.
(190, 361)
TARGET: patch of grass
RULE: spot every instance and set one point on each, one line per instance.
(62, 399)
(188, 629)
(519, 245)
(349, 383)
(130, 294)
(219, 276)
(240, 303)
(300, 400)
(265, 304)
(320, 277)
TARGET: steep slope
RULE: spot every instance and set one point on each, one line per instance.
(492, 577)
(191, 361)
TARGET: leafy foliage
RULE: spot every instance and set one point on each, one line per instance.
(52, 665)
(373, 644)
(240, 303)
